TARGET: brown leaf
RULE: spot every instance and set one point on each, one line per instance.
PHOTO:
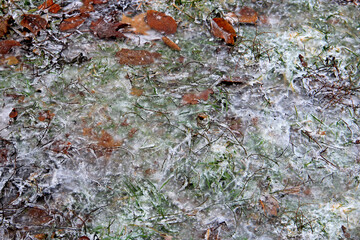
(107, 141)
(4, 26)
(270, 206)
(248, 15)
(13, 113)
(136, 92)
(83, 238)
(136, 57)
(161, 22)
(171, 44)
(72, 22)
(193, 98)
(103, 29)
(222, 29)
(50, 6)
(33, 22)
(132, 132)
(6, 45)
(137, 23)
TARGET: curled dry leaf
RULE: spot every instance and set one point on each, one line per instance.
(33, 22)
(99, 1)
(136, 57)
(161, 22)
(137, 23)
(72, 22)
(6, 45)
(170, 43)
(194, 98)
(50, 6)
(248, 15)
(4, 26)
(103, 29)
(223, 29)
(45, 115)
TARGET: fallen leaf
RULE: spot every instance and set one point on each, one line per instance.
(248, 15)
(12, 60)
(99, 1)
(103, 29)
(33, 22)
(83, 238)
(72, 22)
(40, 236)
(50, 6)
(222, 29)
(46, 115)
(6, 45)
(136, 92)
(132, 132)
(87, 6)
(137, 23)
(194, 98)
(136, 57)
(270, 205)
(4, 26)
(161, 22)
(13, 113)
(107, 141)
(231, 17)
(171, 44)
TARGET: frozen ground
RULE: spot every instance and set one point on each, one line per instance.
(110, 151)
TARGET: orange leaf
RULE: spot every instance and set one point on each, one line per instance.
(161, 22)
(171, 44)
(45, 115)
(33, 22)
(270, 205)
(136, 57)
(248, 15)
(137, 23)
(222, 29)
(12, 60)
(104, 29)
(72, 22)
(13, 113)
(100, 1)
(6, 45)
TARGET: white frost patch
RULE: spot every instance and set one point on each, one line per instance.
(4, 120)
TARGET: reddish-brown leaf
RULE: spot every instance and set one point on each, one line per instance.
(33, 22)
(194, 98)
(248, 15)
(87, 6)
(45, 115)
(72, 22)
(136, 57)
(40, 236)
(4, 26)
(170, 43)
(103, 29)
(161, 22)
(50, 6)
(6, 45)
(13, 113)
(223, 29)
(83, 238)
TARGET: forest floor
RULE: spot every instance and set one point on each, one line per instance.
(194, 119)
